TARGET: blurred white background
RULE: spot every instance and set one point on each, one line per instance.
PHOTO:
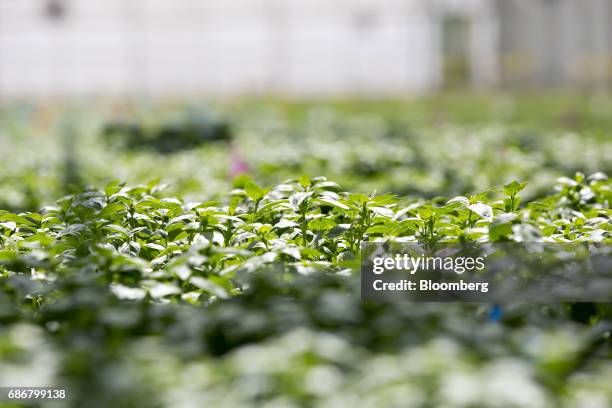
(293, 47)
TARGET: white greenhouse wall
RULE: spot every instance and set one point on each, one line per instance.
(150, 47)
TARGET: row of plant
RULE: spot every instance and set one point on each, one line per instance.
(130, 234)
(386, 147)
(131, 297)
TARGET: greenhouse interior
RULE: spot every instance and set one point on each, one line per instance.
(286, 204)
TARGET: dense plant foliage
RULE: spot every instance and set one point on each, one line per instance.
(131, 297)
(443, 147)
(201, 288)
(187, 131)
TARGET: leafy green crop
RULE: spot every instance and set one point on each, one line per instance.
(201, 289)
(139, 299)
(423, 149)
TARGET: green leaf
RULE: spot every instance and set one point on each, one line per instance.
(285, 223)
(117, 228)
(501, 227)
(112, 209)
(155, 246)
(483, 210)
(333, 203)
(322, 224)
(390, 228)
(338, 230)
(113, 187)
(459, 200)
(304, 181)
(17, 219)
(254, 192)
(513, 188)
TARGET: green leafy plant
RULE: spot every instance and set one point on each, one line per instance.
(245, 292)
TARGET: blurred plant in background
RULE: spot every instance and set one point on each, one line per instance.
(445, 146)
